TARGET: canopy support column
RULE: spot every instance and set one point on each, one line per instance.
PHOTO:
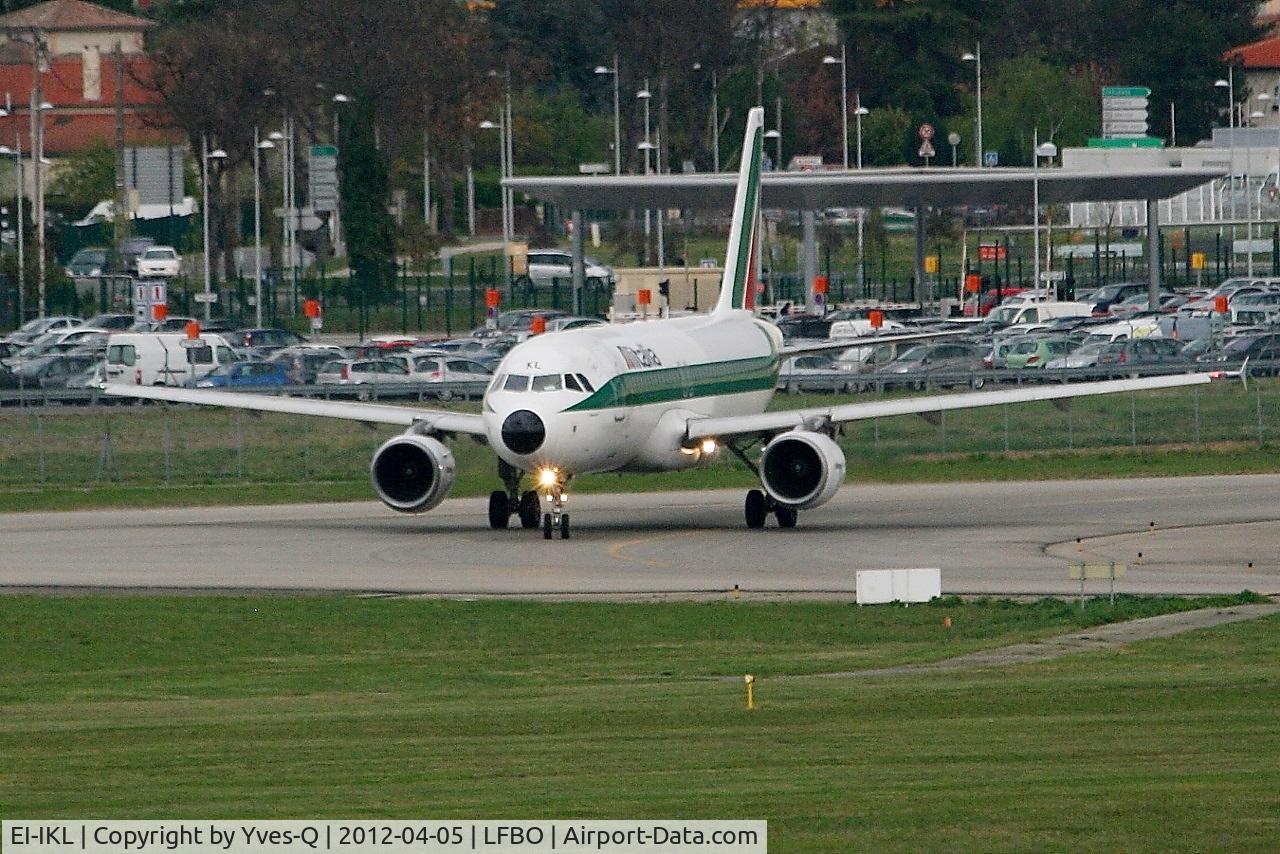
(579, 264)
(920, 291)
(1153, 253)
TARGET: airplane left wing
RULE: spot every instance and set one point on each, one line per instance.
(769, 423)
(368, 413)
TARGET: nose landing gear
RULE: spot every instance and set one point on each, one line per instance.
(557, 518)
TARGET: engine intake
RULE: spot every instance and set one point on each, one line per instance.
(802, 469)
(412, 473)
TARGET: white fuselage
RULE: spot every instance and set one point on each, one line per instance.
(643, 382)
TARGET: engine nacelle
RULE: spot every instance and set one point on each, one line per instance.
(802, 469)
(412, 473)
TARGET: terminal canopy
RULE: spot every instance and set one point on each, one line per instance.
(865, 188)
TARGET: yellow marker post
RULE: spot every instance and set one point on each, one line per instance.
(751, 694)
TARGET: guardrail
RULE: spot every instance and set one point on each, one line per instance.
(832, 382)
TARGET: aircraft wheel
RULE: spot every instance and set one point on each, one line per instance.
(757, 509)
(499, 510)
(529, 507)
(786, 517)
(546, 526)
(564, 526)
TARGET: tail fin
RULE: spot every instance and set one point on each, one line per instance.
(739, 286)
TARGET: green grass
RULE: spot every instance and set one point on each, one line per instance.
(54, 460)
(338, 707)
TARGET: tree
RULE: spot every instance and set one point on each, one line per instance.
(86, 178)
(370, 230)
(1029, 93)
(886, 136)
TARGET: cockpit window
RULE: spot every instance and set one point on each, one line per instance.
(586, 384)
(571, 383)
(547, 382)
(516, 382)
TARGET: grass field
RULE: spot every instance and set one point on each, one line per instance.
(327, 707)
(176, 455)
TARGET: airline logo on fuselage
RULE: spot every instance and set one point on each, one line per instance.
(639, 357)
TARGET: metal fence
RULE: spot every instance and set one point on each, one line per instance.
(99, 441)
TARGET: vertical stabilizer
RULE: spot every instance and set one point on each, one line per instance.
(739, 287)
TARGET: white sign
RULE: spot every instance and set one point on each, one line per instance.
(926, 149)
(1109, 116)
(881, 586)
(1124, 103)
(1120, 128)
(212, 296)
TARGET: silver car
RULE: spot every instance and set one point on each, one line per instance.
(548, 265)
(362, 372)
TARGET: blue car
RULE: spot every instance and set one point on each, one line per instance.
(245, 374)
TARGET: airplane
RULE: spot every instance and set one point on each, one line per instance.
(660, 395)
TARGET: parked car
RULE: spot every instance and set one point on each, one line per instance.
(54, 371)
(548, 265)
(111, 322)
(1256, 348)
(794, 372)
(132, 248)
(244, 375)
(1084, 356)
(89, 262)
(943, 358)
(442, 368)
(1231, 289)
(263, 342)
(1109, 295)
(361, 372)
(1038, 352)
(563, 324)
(33, 329)
(1131, 352)
(90, 377)
(8, 379)
(162, 261)
(303, 363)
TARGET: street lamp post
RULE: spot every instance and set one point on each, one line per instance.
(976, 59)
(205, 156)
(501, 127)
(844, 100)
(1047, 149)
(776, 135)
(617, 116)
(647, 146)
(338, 100)
(259, 145)
(715, 116)
(38, 163)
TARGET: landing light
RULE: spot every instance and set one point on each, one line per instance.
(708, 446)
(547, 477)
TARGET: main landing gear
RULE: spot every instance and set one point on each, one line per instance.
(759, 506)
(527, 505)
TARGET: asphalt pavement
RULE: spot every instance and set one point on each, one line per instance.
(996, 538)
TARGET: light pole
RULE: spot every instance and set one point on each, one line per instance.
(338, 100)
(1047, 149)
(953, 139)
(617, 117)
(259, 145)
(38, 163)
(976, 59)
(776, 135)
(19, 227)
(715, 116)
(1229, 84)
(647, 146)
(859, 111)
(844, 100)
(205, 157)
(501, 127)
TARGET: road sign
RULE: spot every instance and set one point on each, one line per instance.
(1110, 115)
(1126, 92)
(926, 132)
(594, 168)
(990, 158)
(1135, 128)
(322, 175)
(212, 296)
(992, 252)
(926, 150)
(1124, 103)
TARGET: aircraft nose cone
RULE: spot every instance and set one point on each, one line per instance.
(523, 432)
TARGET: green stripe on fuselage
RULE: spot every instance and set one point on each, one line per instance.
(664, 385)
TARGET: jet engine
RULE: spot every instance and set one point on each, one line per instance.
(412, 473)
(802, 469)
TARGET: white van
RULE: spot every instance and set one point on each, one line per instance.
(151, 358)
(859, 327)
(1036, 312)
(1145, 327)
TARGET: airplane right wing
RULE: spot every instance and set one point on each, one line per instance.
(437, 420)
(770, 423)
(843, 344)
